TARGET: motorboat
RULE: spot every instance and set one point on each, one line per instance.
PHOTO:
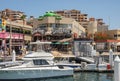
(38, 63)
(64, 61)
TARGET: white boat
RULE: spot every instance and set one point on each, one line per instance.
(64, 61)
(37, 64)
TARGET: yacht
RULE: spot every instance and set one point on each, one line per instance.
(64, 61)
(36, 64)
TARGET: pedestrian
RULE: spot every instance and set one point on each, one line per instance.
(1, 52)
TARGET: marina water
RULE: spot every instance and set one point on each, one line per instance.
(81, 76)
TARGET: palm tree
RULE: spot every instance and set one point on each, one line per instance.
(23, 17)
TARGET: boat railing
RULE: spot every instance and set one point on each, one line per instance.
(10, 64)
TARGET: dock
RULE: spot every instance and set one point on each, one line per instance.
(94, 70)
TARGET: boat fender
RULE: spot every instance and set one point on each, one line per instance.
(83, 65)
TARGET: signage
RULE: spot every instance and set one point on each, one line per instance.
(37, 30)
(13, 36)
(63, 30)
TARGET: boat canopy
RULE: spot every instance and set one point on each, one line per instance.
(38, 55)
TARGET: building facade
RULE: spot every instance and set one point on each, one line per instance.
(19, 35)
(75, 14)
(59, 30)
(14, 32)
(101, 26)
(64, 27)
(114, 34)
(11, 14)
(91, 25)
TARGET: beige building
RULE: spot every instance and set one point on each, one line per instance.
(20, 30)
(114, 34)
(11, 14)
(91, 25)
(59, 30)
(15, 36)
(94, 26)
(64, 27)
(63, 23)
(101, 26)
(112, 41)
(75, 14)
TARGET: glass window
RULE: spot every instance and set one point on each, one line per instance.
(40, 62)
(42, 26)
(69, 26)
(52, 25)
(7, 29)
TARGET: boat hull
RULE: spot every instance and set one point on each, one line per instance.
(32, 74)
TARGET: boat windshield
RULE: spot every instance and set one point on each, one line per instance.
(40, 62)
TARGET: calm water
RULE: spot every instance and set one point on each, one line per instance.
(81, 77)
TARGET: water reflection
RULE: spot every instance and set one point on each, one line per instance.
(51, 79)
(93, 77)
(81, 76)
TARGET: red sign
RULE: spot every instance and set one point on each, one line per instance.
(13, 36)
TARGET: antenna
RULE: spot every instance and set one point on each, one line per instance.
(109, 21)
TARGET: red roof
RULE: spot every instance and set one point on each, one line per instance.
(107, 41)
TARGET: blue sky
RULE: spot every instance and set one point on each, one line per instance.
(109, 10)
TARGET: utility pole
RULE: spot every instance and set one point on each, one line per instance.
(10, 41)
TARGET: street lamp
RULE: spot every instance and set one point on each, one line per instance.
(10, 41)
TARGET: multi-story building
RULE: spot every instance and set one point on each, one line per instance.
(19, 34)
(92, 25)
(108, 39)
(95, 25)
(11, 14)
(114, 34)
(61, 27)
(59, 30)
(13, 28)
(32, 21)
(75, 14)
(101, 26)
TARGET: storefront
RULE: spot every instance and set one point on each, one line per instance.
(16, 41)
(105, 45)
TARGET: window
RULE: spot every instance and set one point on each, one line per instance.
(115, 35)
(7, 29)
(42, 26)
(40, 62)
(118, 35)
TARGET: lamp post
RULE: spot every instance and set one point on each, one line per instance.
(10, 41)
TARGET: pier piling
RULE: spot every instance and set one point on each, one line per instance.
(117, 69)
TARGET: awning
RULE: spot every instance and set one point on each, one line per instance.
(64, 40)
(65, 43)
(118, 43)
(37, 34)
(57, 43)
